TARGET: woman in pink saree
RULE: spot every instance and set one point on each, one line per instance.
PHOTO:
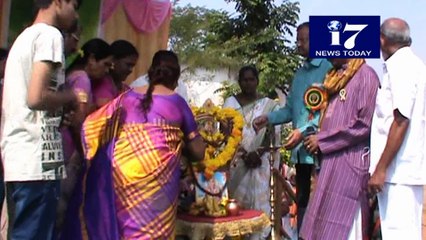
(125, 57)
(90, 66)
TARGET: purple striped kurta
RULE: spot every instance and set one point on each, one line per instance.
(344, 141)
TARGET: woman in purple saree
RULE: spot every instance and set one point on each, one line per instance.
(133, 146)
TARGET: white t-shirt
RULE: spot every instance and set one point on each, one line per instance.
(403, 88)
(31, 143)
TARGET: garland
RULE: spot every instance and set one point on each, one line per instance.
(336, 79)
(220, 148)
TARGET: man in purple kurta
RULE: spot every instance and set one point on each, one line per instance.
(340, 197)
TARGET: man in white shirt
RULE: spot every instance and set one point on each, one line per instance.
(31, 143)
(398, 161)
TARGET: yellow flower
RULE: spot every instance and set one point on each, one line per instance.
(81, 53)
(213, 158)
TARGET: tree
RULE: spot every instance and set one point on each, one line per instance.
(257, 34)
(260, 35)
(191, 38)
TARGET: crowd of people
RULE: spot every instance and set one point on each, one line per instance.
(361, 115)
(86, 156)
(58, 155)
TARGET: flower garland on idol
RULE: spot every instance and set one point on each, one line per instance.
(220, 148)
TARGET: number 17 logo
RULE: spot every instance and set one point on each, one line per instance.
(335, 26)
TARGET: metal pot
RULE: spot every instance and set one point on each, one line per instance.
(232, 207)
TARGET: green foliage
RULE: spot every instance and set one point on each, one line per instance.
(22, 14)
(263, 29)
(192, 39)
(255, 15)
(257, 34)
(285, 154)
(228, 89)
(89, 18)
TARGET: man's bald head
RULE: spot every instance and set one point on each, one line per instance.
(396, 31)
(394, 34)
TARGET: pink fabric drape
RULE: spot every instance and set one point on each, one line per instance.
(108, 7)
(145, 15)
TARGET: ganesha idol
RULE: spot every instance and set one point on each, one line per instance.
(221, 129)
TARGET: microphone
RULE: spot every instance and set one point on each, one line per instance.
(310, 131)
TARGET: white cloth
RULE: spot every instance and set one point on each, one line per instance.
(251, 186)
(403, 88)
(401, 208)
(356, 230)
(140, 81)
(180, 89)
(31, 143)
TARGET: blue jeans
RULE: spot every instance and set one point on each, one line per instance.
(35, 209)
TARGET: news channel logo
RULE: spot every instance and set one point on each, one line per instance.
(344, 36)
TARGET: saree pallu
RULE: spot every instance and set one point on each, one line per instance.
(132, 182)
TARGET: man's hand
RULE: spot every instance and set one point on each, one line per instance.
(68, 119)
(260, 122)
(397, 132)
(70, 98)
(73, 99)
(377, 181)
(311, 144)
(293, 139)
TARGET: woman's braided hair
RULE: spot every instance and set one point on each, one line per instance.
(165, 70)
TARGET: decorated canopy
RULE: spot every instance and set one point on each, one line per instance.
(145, 23)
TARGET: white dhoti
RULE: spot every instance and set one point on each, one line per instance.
(400, 208)
(356, 230)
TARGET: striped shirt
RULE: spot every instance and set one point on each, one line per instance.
(344, 143)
